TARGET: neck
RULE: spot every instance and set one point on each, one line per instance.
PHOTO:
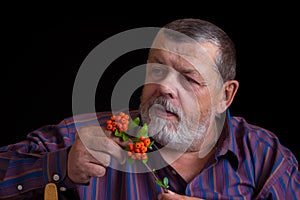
(180, 161)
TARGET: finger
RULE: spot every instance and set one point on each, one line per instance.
(95, 170)
(84, 174)
(84, 168)
(102, 132)
(90, 155)
(78, 173)
(119, 140)
(169, 195)
(92, 131)
(169, 191)
(165, 195)
(104, 144)
(100, 158)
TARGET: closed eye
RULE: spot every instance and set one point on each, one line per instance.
(157, 72)
(194, 81)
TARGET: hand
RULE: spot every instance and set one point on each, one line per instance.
(91, 154)
(173, 196)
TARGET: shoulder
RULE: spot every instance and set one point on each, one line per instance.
(259, 140)
(250, 132)
(262, 156)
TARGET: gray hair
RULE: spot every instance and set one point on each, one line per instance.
(203, 31)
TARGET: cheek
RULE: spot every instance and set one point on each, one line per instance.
(198, 101)
(148, 92)
(205, 102)
(198, 108)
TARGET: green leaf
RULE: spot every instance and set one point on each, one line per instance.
(145, 161)
(137, 121)
(135, 139)
(118, 134)
(166, 182)
(134, 123)
(125, 137)
(143, 131)
(151, 143)
(158, 182)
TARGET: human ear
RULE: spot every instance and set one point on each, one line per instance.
(229, 90)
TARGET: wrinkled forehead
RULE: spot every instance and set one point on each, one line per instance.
(200, 56)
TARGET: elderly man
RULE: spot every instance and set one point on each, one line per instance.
(202, 151)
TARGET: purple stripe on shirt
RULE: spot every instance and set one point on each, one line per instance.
(250, 163)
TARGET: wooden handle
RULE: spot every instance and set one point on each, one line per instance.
(50, 192)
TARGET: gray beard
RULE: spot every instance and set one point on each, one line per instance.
(180, 136)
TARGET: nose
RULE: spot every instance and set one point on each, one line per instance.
(167, 87)
(166, 91)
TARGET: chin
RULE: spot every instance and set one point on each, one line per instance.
(158, 127)
(178, 146)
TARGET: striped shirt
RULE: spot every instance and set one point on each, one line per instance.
(250, 163)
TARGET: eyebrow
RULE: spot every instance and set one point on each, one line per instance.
(179, 69)
(190, 71)
(155, 60)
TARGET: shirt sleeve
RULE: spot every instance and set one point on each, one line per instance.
(284, 180)
(29, 165)
(293, 183)
(287, 185)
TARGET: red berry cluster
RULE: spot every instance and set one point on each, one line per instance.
(138, 149)
(119, 122)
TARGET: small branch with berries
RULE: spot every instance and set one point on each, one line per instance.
(119, 125)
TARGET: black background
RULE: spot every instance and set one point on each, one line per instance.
(41, 54)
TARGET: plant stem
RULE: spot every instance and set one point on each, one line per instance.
(155, 177)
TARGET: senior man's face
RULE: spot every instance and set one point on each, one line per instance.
(180, 93)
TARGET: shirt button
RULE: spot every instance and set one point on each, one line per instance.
(63, 189)
(55, 177)
(20, 187)
(174, 172)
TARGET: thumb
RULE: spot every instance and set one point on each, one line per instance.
(170, 192)
(169, 195)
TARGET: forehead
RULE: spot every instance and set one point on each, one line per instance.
(188, 55)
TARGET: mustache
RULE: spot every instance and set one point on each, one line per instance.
(167, 105)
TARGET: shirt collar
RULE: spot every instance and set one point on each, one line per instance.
(227, 144)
